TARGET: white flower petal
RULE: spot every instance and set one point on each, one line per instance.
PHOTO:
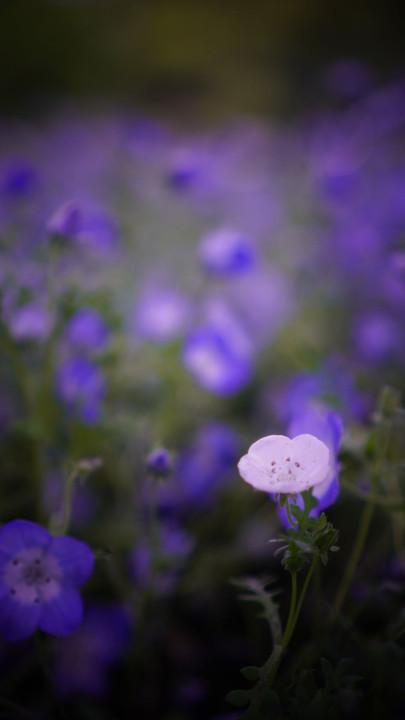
(278, 464)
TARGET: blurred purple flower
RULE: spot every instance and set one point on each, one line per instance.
(66, 222)
(331, 387)
(202, 468)
(376, 337)
(159, 462)
(219, 354)
(18, 178)
(87, 330)
(82, 662)
(162, 565)
(99, 233)
(80, 385)
(161, 315)
(32, 321)
(39, 575)
(227, 251)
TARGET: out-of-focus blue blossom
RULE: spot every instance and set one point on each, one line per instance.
(87, 330)
(159, 462)
(327, 427)
(80, 385)
(161, 315)
(160, 566)
(99, 233)
(32, 321)
(186, 170)
(82, 662)
(377, 337)
(39, 577)
(66, 222)
(227, 251)
(264, 300)
(331, 387)
(219, 353)
(202, 468)
(18, 179)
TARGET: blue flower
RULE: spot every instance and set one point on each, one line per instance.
(159, 462)
(219, 354)
(87, 330)
(83, 661)
(81, 386)
(227, 251)
(39, 577)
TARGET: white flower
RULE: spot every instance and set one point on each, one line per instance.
(277, 464)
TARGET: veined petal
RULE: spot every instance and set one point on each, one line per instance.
(17, 621)
(278, 464)
(63, 614)
(20, 534)
(75, 558)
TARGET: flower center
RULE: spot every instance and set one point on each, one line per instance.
(33, 576)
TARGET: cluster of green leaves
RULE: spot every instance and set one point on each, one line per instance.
(308, 537)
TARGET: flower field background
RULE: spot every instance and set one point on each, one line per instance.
(174, 286)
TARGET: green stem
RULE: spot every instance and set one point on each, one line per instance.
(287, 631)
(302, 595)
(293, 522)
(354, 557)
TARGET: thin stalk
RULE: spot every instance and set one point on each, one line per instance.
(293, 522)
(302, 596)
(290, 621)
(272, 664)
(354, 557)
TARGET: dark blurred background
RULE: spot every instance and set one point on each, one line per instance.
(196, 61)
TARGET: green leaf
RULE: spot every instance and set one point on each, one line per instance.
(239, 698)
(251, 672)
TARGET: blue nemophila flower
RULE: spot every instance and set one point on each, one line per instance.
(160, 462)
(82, 662)
(161, 315)
(32, 321)
(219, 353)
(227, 251)
(80, 385)
(66, 222)
(39, 577)
(87, 330)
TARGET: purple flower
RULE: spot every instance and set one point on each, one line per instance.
(376, 336)
(161, 315)
(219, 354)
(162, 565)
(227, 251)
(202, 468)
(99, 233)
(66, 221)
(87, 330)
(19, 178)
(39, 577)
(30, 322)
(81, 386)
(159, 462)
(82, 662)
